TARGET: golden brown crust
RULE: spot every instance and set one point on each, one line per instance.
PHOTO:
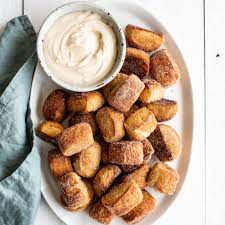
(142, 38)
(143, 209)
(139, 176)
(140, 124)
(75, 139)
(54, 107)
(128, 168)
(85, 102)
(153, 91)
(89, 200)
(163, 178)
(58, 163)
(126, 94)
(69, 207)
(163, 68)
(126, 153)
(105, 151)
(147, 150)
(91, 193)
(74, 191)
(163, 109)
(133, 109)
(120, 78)
(136, 62)
(110, 123)
(86, 163)
(105, 178)
(84, 118)
(100, 213)
(49, 130)
(166, 143)
(122, 198)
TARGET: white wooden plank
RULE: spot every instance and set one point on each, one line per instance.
(185, 23)
(215, 111)
(8, 10)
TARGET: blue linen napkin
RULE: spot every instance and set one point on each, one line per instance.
(19, 160)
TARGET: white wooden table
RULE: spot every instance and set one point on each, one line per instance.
(198, 28)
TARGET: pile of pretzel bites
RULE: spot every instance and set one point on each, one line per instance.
(103, 149)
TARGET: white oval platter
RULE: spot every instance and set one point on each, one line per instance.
(133, 13)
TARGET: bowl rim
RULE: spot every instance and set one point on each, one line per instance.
(108, 78)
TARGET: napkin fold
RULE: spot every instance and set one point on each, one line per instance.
(19, 159)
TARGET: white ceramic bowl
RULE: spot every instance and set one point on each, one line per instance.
(83, 6)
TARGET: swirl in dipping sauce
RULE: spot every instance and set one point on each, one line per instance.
(80, 48)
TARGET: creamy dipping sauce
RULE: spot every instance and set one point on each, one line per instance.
(80, 48)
